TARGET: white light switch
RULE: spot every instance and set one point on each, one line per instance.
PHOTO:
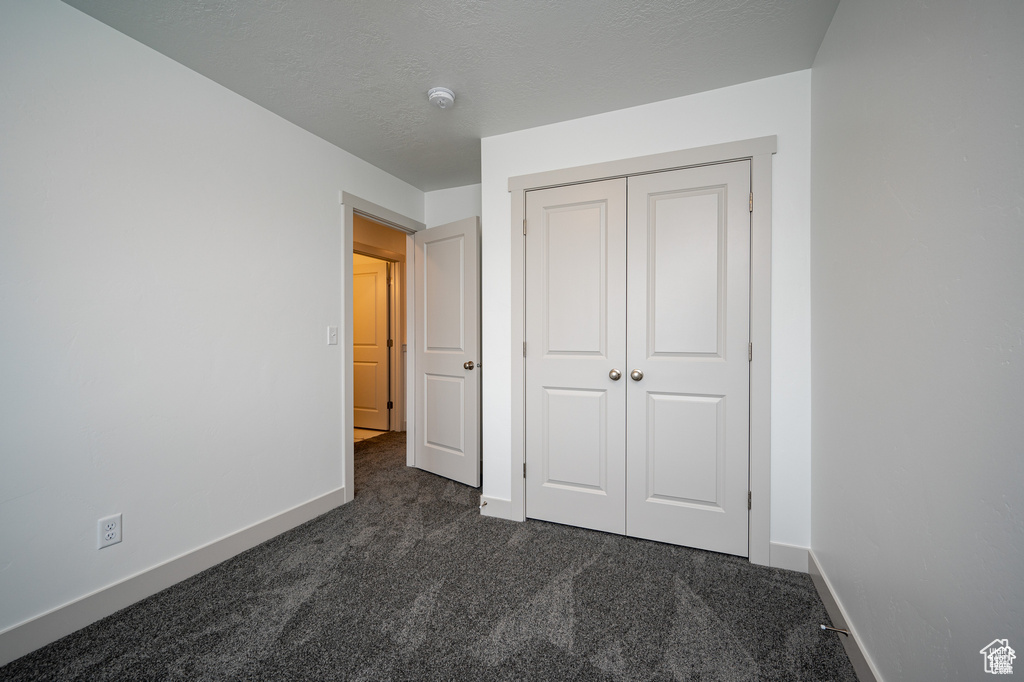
(332, 336)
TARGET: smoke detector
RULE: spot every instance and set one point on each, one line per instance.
(442, 98)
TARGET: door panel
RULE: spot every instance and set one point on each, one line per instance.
(571, 463)
(364, 379)
(448, 336)
(370, 343)
(685, 461)
(688, 316)
(444, 321)
(575, 269)
(575, 277)
(687, 247)
(444, 402)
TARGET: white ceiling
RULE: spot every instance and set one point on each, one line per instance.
(356, 72)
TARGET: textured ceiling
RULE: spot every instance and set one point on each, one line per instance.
(356, 72)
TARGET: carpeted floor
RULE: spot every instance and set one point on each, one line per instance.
(409, 582)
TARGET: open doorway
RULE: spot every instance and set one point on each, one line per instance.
(379, 342)
(400, 230)
(452, 311)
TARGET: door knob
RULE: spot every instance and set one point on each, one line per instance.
(468, 364)
(615, 375)
(636, 375)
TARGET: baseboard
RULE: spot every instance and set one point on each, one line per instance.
(496, 507)
(789, 557)
(862, 664)
(30, 635)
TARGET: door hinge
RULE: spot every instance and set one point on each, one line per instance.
(524, 227)
(391, 343)
(748, 500)
(751, 202)
(524, 349)
(750, 352)
(391, 405)
(524, 469)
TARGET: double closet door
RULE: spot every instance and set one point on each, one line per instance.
(637, 366)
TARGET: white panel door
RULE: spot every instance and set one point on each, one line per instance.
(370, 342)
(688, 317)
(656, 288)
(575, 336)
(448, 351)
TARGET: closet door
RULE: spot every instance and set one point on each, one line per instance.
(575, 337)
(687, 408)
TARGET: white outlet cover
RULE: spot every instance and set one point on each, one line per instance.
(108, 531)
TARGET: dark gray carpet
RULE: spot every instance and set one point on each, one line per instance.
(409, 582)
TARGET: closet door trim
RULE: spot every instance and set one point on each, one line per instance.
(759, 151)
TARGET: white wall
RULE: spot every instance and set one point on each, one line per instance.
(918, 334)
(448, 205)
(169, 262)
(774, 106)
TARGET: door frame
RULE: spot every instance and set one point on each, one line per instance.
(396, 322)
(393, 331)
(759, 152)
(350, 205)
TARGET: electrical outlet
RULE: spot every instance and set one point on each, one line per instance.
(109, 531)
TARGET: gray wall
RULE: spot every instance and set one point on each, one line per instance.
(170, 260)
(772, 106)
(917, 284)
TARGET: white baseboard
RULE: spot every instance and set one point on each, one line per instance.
(18, 640)
(496, 507)
(862, 664)
(789, 557)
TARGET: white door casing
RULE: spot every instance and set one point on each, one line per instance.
(370, 352)
(687, 418)
(760, 152)
(447, 333)
(575, 277)
(663, 455)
